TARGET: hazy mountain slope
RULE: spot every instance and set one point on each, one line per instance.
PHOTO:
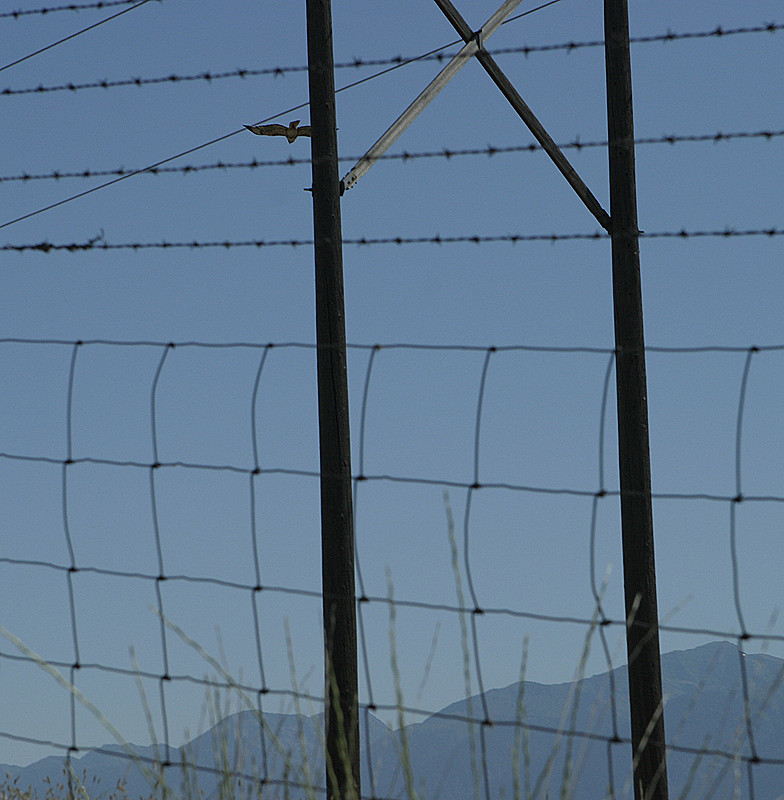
(455, 759)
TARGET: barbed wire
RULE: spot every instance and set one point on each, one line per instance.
(99, 243)
(172, 78)
(445, 152)
(671, 36)
(74, 35)
(359, 63)
(71, 7)
(161, 162)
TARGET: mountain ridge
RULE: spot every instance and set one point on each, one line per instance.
(451, 757)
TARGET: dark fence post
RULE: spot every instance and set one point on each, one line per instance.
(337, 526)
(642, 634)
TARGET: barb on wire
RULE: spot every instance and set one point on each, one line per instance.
(99, 243)
(445, 152)
(74, 35)
(71, 7)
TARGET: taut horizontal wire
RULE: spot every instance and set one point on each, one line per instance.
(456, 348)
(445, 152)
(74, 35)
(98, 243)
(498, 611)
(359, 63)
(136, 81)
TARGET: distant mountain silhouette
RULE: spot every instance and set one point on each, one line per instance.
(453, 759)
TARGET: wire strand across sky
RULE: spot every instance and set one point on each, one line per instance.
(74, 35)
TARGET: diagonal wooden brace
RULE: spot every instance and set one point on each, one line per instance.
(528, 117)
(470, 48)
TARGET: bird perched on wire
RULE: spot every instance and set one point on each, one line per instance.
(291, 133)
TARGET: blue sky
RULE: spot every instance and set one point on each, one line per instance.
(528, 551)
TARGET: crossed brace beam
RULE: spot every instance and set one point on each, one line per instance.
(474, 47)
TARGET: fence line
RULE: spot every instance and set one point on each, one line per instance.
(476, 612)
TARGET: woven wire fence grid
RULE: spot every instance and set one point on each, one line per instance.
(161, 550)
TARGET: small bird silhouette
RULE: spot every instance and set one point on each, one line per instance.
(290, 133)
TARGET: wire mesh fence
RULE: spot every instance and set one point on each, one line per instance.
(164, 496)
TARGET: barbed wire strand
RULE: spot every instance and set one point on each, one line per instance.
(359, 63)
(98, 242)
(445, 152)
(136, 172)
(172, 78)
(101, 4)
(73, 35)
